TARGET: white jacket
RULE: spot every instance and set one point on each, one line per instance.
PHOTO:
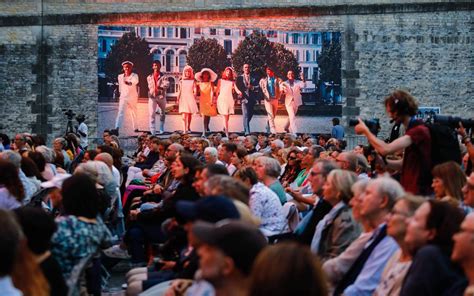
(293, 93)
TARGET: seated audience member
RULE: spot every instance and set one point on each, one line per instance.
(147, 220)
(250, 144)
(318, 176)
(363, 167)
(152, 157)
(429, 240)
(227, 251)
(263, 203)
(39, 227)
(448, 181)
(238, 158)
(309, 157)
(292, 168)
(268, 170)
(338, 229)
(11, 188)
(364, 275)
(462, 251)
(225, 152)
(89, 155)
(80, 233)
(336, 267)
(10, 241)
(28, 186)
(347, 161)
(109, 161)
(59, 144)
(210, 156)
(210, 209)
(262, 144)
(31, 171)
(287, 269)
(205, 174)
(468, 192)
(397, 266)
(50, 170)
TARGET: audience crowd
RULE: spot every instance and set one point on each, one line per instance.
(262, 214)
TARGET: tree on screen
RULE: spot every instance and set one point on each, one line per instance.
(134, 49)
(257, 51)
(330, 61)
(207, 53)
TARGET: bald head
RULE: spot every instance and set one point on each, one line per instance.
(105, 158)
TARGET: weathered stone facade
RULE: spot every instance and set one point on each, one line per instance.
(48, 50)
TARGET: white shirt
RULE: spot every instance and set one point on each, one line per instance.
(128, 91)
(83, 140)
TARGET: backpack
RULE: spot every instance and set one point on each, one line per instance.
(444, 144)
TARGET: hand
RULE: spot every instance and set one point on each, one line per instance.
(167, 265)
(157, 189)
(134, 214)
(145, 172)
(461, 130)
(361, 128)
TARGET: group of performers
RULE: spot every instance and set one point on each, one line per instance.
(214, 98)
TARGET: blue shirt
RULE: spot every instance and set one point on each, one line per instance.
(370, 275)
(337, 132)
(271, 86)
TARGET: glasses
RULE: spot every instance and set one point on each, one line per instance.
(395, 212)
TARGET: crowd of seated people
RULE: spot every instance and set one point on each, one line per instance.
(264, 214)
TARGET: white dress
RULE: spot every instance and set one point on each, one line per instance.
(187, 102)
(225, 101)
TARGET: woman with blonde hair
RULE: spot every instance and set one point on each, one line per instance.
(338, 229)
(225, 99)
(187, 97)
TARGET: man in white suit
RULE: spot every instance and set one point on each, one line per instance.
(128, 87)
(270, 86)
(292, 91)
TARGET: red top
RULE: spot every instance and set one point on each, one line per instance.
(156, 76)
(416, 170)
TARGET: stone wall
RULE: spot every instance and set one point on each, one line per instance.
(49, 63)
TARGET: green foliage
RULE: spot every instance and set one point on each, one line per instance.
(207, 53)
(257, 51)
(330, 62)
(134, 49)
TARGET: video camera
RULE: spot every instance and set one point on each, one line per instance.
(453, 121)
(69, 114)
(373, 124)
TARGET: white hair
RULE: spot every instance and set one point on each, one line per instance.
(12, 156)
(48, 153)
(388, 187)
(278, 143)
(211, 150)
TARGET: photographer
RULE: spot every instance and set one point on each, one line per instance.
(415, 166)
(81, 131)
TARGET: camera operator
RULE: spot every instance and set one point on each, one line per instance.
(415, 166)
(81, 131)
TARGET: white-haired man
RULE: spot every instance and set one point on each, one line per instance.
(365, 273)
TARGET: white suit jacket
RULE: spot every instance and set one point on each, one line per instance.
(293, 93)
(128, 91)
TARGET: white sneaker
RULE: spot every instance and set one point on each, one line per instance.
(116, 252)
(160, 132)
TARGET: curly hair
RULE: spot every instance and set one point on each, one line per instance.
(402, 103)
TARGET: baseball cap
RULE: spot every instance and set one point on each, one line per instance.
(239, 240)
(56, 181)
(210, 209)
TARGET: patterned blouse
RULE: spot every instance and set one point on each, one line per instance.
(76, 239)
(265, 204)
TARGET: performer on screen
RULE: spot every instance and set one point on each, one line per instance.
(187, 97)
(291, 88)
(128, 89)
(225, 99)
(270, 86)
(205, 84)
(157, 86)
(248, 84)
